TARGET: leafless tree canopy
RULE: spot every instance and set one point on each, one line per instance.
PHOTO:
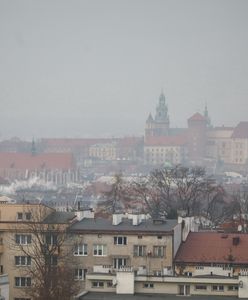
(49, 254)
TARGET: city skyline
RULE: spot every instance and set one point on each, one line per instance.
(97, 68)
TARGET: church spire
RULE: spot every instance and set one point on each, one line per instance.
(207, 116)
(33, 148)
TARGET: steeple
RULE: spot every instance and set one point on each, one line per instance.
(207, 116)
(33, 148)
(162, 110)
(149, 119)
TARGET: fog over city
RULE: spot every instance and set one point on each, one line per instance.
(97, 68)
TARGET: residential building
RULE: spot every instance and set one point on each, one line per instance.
(17, 239)
(128, 242)
(213, 254)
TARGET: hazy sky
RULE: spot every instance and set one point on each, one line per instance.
(96, 68)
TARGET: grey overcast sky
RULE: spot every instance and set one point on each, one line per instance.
(77, 68)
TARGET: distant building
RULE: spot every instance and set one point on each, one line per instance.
(59, 168)
(159, 126)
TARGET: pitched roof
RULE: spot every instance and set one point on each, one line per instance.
(241, 131)
(214, 247)
(26, 161)
(59, 217)
(178, 140)
(104, 225)
(197, 117)
(70, 142)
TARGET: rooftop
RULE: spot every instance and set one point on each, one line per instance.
(241, 131)
(58, 217)
(105, 225)
(214, 247)
(110, 296)
(27, 161)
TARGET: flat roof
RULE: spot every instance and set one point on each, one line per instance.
(111, 296)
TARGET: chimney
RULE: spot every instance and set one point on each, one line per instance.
(85, 214)
(136, 219)
(117, 219)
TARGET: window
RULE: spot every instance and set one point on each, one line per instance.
(139, 250)
(80, 274)
(158, 251)
(28, 216)
(51, 239)
(219, 288)
(148, 285)
(23, 239)
(22, 281)
(157, 273)
(200, 287)
(120, 262)
(81, 250)
(99, 250)
(52, 260)
(19, 216)
(109, 284)
(97, 284)
(120, 240)
(23, 216)
(159, 237)
(233, 287)
(22, 260)
(22, 299)
(140, 236)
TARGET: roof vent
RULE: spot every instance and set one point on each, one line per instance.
(158, 221)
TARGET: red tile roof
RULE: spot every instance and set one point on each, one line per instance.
(197, 117)
(74, 142)
(177, 140)
(48, 161)
(130, 141)
(241, 131)
(213, 247)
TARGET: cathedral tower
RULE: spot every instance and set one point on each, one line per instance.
(160, 125)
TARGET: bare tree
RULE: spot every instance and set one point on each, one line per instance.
(190, 184)
(213, 202)
(47, 251)
(238, 208)
(114, 199)
(166, 190)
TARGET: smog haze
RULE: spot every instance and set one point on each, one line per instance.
(97, 68)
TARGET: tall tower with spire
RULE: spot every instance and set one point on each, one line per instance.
(206, 115)
(159, 126)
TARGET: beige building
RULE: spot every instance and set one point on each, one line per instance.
(17, 240)
(128, 242)
(165, 150)
(229, 145)
(103, 151)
